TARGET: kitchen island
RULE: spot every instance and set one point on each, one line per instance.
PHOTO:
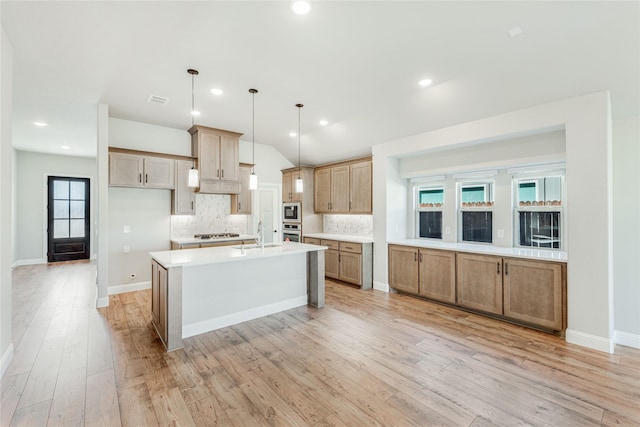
(199, 290)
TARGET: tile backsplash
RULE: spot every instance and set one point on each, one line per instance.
(213, 215)
(353, 225)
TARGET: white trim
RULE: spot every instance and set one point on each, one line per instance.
(476, 175)
(128, 287)
(427, 179)
(32, 261)
(379, 286)
(627, 339)
(590, 341)
(102, 302)
(545, 169)
(7, 357)
(243, 316)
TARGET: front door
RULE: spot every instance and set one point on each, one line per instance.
(68, 219)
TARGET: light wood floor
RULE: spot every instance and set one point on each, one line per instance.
(367, 358)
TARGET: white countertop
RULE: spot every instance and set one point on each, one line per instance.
(185, 240)
(204, 256)
(340, 237)
(529, 253)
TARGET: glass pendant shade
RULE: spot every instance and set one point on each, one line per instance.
(253, 181)
(193, 178)
(299, 185)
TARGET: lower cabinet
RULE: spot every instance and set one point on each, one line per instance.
(166, 304)
(210, 244)
(526, 291)
(479, 282)
(159, 280)
(347, 261)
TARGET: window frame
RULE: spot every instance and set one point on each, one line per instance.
(438, 207)
(489, 192)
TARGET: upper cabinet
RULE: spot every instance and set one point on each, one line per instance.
(183, 198)
(217, 154)
(241, 202)
(343, 188)
(289, 187)
(134, 170)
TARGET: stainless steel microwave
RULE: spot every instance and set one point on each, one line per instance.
(291, 212)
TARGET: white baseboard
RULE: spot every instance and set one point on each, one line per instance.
(7, 357)
(590, 341)
(627, 339)
(102, 302)
(243, 316)
(379, 286)
(129, 287)
(34, 261)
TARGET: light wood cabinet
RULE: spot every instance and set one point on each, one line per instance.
(159, 278)
(479, 283)
(132, 170)
(343, 188)
(437, 275)
(183, 197)
(217, 153)
(166, 304)
(210, 244)
(533, 292)
(289, 187)
(241, 202)
(312, 241)
(403, 268)
(350, 267)
(347, 261)
(332, 263)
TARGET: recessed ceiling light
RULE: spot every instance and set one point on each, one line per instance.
(292, 134)
(301, 7)
(514, 32)
(425, 82)
(216, 91)
(195, 113)
(324, 122)
(66, 147)
(39, 124)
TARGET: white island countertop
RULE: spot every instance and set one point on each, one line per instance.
(528, 253)
(340, 237)
(223, 254)
(185, 240)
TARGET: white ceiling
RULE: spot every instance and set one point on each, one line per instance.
(354, 63)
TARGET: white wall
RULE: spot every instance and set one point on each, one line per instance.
(31, 186)
(626, 230)
(268, 162)
(6, 210)
(146, 137)
(586, 120)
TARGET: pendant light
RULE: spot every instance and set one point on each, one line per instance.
(253, 178)
(299, 184)
(193, 172)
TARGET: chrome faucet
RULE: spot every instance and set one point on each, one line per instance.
(260, 238)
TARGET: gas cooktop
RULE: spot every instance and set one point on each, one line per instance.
(215, 236)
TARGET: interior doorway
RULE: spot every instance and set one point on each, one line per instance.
(268, 203)
(68, 218)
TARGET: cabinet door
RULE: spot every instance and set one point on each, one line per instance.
(351, 267)
(360, 188)
(479, 282)
(241, 202)
(322, 190)
(155, 293)
(229, 158)
(438, 275)
(403, 268)
(533, 292)
(183, 197)
(295, 196)
(125, 170)
(158, 172)
(331, 264)
(287, 186)
(162, 302)
(340, 189)
(208, 149)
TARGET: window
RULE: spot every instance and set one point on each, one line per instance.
(538, 212)
(476, 212)
(429, 221)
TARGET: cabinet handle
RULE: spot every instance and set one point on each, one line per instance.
(239, 206)
(420, 256)
(415, 256)
(349, 205)
(192, 205)
(506, 269)
(222, 173)
(140, 178)
(217, 173)
(498, 266)
(146, 177)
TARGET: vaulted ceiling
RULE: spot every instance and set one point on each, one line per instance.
(356, 64)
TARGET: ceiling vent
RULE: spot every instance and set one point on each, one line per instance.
(155, 99)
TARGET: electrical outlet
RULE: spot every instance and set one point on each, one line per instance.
(447, 230)
(127, 229)
(126, 249)
(500, 234)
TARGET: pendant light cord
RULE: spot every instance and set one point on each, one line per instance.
(253, 130)
(299, 136)
(193, 108)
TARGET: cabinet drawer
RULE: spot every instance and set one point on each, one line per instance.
(356, 248)
(312, 241)
(331, 244)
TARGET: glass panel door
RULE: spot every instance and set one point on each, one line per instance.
(69, 222)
